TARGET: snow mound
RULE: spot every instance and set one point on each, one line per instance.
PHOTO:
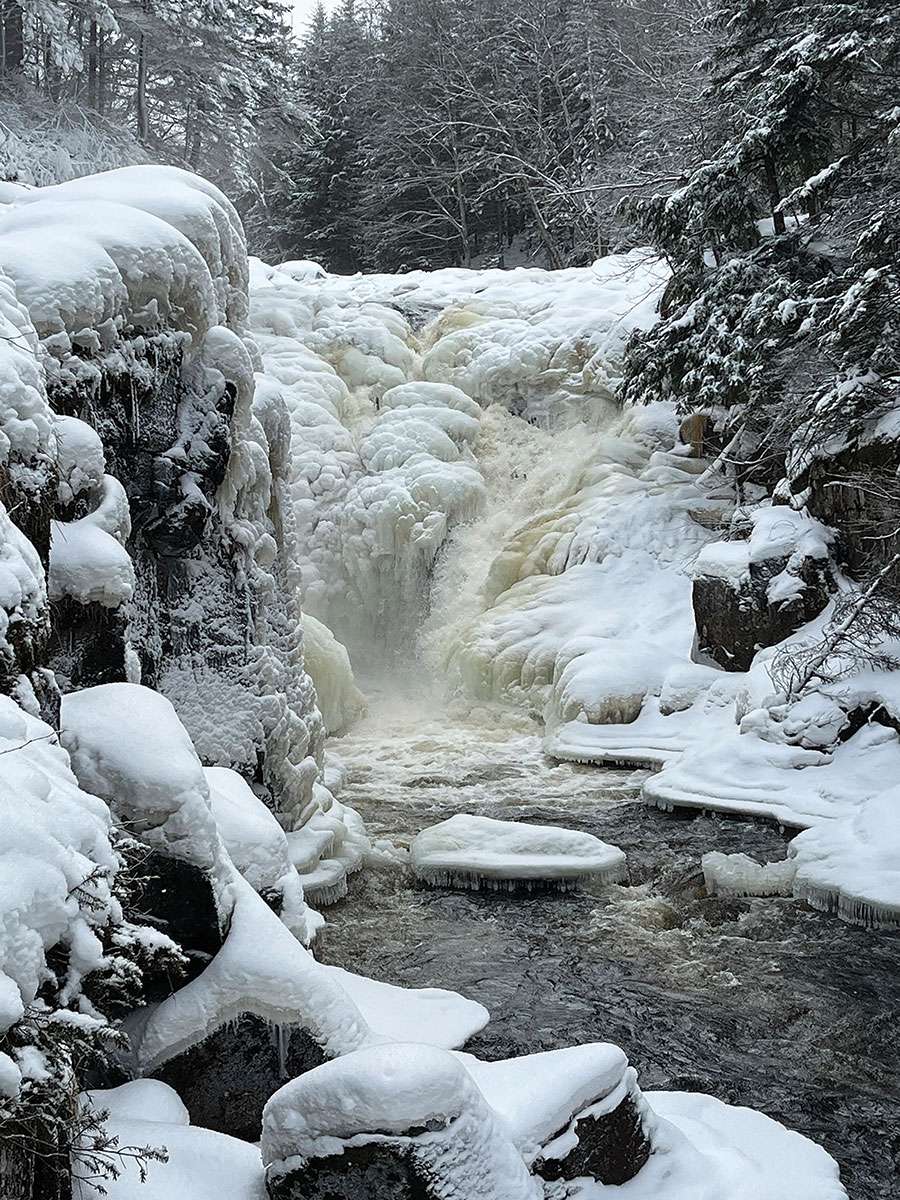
(480, 852)
(55, 840)
(128, 746)
(386, 1094)
(139, 1100)
(201, 1164)
(398, 1014)
(79, 458)
(88, 564)
(255, 842)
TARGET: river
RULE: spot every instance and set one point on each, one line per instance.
(760, 1002)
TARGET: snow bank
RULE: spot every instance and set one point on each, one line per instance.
(56, 865)
(199, 1163)
(406, 1096)
(480, 852)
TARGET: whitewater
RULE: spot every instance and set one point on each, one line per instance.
(495, 563)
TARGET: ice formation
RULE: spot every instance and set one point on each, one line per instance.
(386, 416)
(740, 875)
(480, 852)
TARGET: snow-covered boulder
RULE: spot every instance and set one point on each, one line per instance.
(128, 746)
(756, 589)
(405, 1121)
(196, 1163)
(572, 1112)
(481, 852)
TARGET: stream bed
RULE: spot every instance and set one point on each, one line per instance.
(760, 1002)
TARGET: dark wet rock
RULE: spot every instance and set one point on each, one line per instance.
(612, 1146)
(178, 897)
(371, 1172)
(226, 1079)
(855, 492)
(87, 643)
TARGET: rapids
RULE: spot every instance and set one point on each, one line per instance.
(758, 1001)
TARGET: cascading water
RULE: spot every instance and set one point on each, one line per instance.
(533, 571)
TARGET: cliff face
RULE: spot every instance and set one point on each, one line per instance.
(137, 324)
(145, 538)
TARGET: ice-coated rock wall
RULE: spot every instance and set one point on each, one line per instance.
(172, 548)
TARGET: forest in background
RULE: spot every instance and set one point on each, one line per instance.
(753, 143)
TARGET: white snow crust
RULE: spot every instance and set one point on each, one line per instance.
(201, 1164)
(473, 851)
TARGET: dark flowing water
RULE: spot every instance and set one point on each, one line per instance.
(760, 1002)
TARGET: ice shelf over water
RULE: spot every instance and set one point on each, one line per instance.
(481, 852)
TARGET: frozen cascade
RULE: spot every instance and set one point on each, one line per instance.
(579, 511)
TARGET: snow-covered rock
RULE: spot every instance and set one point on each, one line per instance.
(128, 746)
(572, 1112)
(481, 852)
(56, 866)
(406, 1113)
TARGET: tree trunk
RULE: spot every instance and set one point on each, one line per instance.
(774, 194)
(141, 92)
(92, 66)
(12, 34)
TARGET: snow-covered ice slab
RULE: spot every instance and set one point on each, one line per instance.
(481, 852)
(430, 1015)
